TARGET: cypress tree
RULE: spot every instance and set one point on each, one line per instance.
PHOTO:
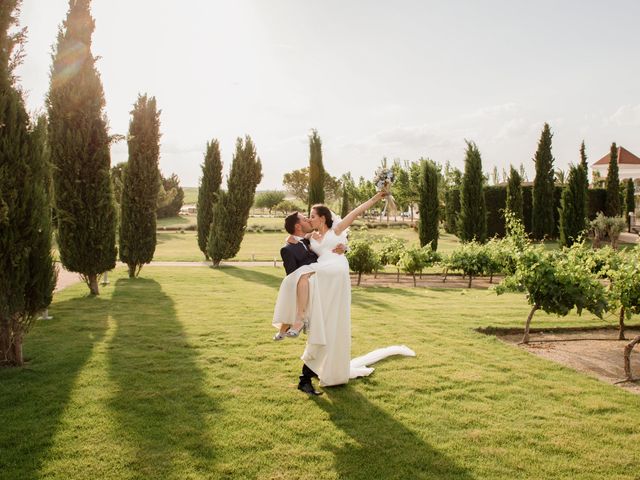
(473, 210)
(514, 194)
(27, 273)
(231, 211)
(612, 207)
(79, 142)
(543, 187)
(208, 192)
(630, 200)
(316, 170)
(585, 167)
(140, 187)
(345, 201)
(573, 207)
(429, 205)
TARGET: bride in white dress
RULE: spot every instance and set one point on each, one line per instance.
(321, 293)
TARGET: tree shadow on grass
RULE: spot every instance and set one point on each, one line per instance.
(253, 276)
(382, 447)
(33, 399)
(160, 403)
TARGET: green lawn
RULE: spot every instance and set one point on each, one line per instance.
(190, 195)
(177, 246)
(174, 375)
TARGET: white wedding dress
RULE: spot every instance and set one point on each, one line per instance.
(328, 349)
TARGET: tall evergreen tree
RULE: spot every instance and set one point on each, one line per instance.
(573, 207)
(514, 194)
(80, 152)
(316, 169)
(140, 187)
(429, 205)
(473, 209)
(208, 192)
(344, 211)
(231, 211)
(585, 167)
(630, 200)
(27, 273)
(543, 187)
(612, 205)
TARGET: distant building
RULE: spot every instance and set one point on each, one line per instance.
(628, 166)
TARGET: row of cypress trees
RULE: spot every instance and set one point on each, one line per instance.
(223, 215)
(27, 271)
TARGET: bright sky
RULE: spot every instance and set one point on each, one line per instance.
(401, 79)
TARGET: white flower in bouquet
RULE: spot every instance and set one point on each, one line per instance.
(383, 180)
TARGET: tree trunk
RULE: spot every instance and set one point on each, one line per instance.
(16, 348)
(132, 270)
(446, 272)
(398, 275)
(470, 278)
(414, 280)
(216, 263)
(525, 338)
(491, 278)
(621, 331)
(359, 278)
(5, 341)
(627, 357)
(93, 284)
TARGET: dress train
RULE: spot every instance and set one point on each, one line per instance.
(359, 365)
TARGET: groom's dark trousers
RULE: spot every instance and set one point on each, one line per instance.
(294, 256)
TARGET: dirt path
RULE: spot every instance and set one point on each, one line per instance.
(598, 353)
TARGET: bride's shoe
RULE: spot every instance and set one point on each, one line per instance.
(294, 331)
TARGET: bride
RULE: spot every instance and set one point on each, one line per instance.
(321, 293)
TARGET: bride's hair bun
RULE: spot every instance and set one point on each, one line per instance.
(323, 211)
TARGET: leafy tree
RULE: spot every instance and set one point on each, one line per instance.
(208, 192)
(573, 209)
(80, 143)
(297, 184)
(140, 187)
(316, 170)
(543, 186)
(471, 258)
(416, 259)
(362, 258)
(472, 222)
(429, 206)
(269, 199)
(514, 194)
(555, 284)
(630, 201)
(171, 202)
(612, 205)
(287, 206)
(231, 211)
(391, 253)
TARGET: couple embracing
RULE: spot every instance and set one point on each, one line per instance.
(315, 297)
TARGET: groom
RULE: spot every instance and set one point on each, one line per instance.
(295, 255)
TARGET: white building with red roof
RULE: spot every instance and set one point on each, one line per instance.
(628, 166)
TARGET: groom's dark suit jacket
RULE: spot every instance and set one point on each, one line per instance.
(296, 255)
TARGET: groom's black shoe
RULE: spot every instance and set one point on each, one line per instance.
(307, 387)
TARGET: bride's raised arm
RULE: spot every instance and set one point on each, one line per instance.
(356, 212)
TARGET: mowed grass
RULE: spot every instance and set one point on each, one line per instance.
(190, 195)
(176, 246)
(174, 375)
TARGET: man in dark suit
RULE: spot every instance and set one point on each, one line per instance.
(296, 253)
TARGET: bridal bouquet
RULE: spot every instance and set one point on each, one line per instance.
(384, 179)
